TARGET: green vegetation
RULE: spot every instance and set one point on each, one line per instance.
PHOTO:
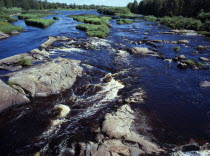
(114, 11)
(95, 26)
(179, 22)
(9, 11)
(100, 31)
(24, 62)
(193, 63)
(124, 21)
(150, 18)
(10, 83)
(39, 22)
(177, 49)
(56, 18)
(7, 18)
(6, 27)
(161, 8)
(31, 15)
(43, 5)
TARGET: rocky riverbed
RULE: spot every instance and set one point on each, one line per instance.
(141, 91)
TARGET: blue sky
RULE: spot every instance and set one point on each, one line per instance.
(96, 2)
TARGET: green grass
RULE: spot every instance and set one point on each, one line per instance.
(100, 31)
(177, 49)
(150, 18)
(124, 21)
(6, 27)
(30, 16)
(95, 26)
(39, 22)
(56, 18)
(7, 18)
(10, 11)
(114, 10)
(206, 33)
(24, 62)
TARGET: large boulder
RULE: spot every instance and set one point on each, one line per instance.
(49, 78)
(10, 96)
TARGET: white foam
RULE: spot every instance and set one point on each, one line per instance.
(64, 110)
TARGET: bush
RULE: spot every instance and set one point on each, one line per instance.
(39, 22)
(150, 18)
(124, 21)
(10, 11)
(177, 49)
(179, 22)
(100, 31)
(6, 27)
(24, 62)
(203, 16)
(7, 18)
(56, 18)
(114, 10)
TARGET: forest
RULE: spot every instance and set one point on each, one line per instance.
(187, 8)
(40, 5)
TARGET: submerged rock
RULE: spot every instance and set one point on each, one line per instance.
(205, 84)
(49, 78)
(10, 96)
(204, 59)
(140, 51)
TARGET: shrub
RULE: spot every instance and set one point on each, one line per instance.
(150, 18)
(39, 22)
(6, 27)
(203, 16)
(177, 49)
(56, 18)
(179, 22)
(124, 21)
(9, 11)
(100, 31)
(114, 10)
(24, 62)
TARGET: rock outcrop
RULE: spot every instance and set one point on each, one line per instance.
(3, 36)
(51, 40)
(117, 138)
(49, 78)
(10, 96)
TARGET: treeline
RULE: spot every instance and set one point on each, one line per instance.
(40, 5)
(189, 8)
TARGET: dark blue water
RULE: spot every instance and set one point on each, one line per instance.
(173, 95)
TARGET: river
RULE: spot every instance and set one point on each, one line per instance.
(178, 108)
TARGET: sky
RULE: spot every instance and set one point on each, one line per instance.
(96, 2)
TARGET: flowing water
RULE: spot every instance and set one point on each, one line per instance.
(174, 97)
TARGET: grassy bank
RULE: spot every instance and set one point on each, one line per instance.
(35, 14)
(114, 11)
(39, 22)
(6, 27)
(179, 22)
(10, 11)
(95, 26)
(7, 18)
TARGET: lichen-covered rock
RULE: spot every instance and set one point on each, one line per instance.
(205, 84)
(49, 78)
(10, 96)
(140, 51)
(51, 40)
